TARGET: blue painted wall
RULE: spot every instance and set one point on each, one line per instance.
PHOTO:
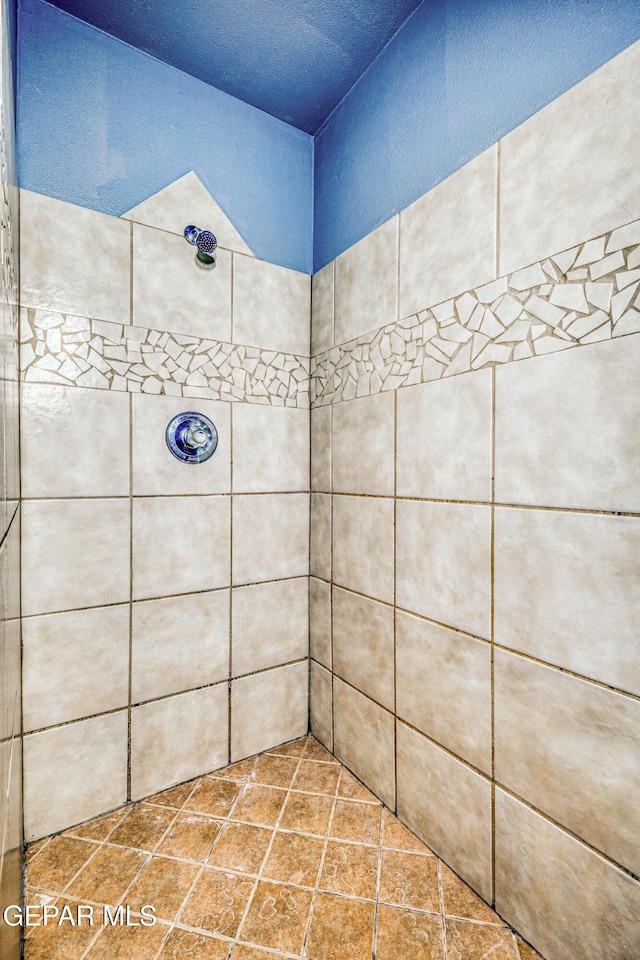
(456, 77)
(105, 126)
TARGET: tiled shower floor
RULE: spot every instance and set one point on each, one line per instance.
(282, 855)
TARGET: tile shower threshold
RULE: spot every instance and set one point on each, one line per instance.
(283, 855)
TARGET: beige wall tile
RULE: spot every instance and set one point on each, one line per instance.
(270, 537)
(444, 563)
(363, 445)
(562, 897)
(171, 292)
(75, 553)
(156, 470)
(320, 621)
(322, 309)
(271, 306)
(571, 749)
(321, 449)
(366, 280)
(363, 740)
(567, 428)
(320, 542)
(179, 643)
(58, 790)
(363, 545)
(448, 236)
(178, 738)
(448, 806)
(270, 449)
(270, 624)
(363, 645)
(73, 259)
(556, 169)
(321, 705)
(268, 709)
(444, 438)
(180, 545)
(443, 683)
(75, 665)
(74, 442)
(566, 591)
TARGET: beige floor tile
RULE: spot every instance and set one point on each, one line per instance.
(341, 929)
(163, 884)
(240, 847)
(396, 836)
(243, 952)
(406, 934)
(315, 751)
(350, 869)
(59, 862)
(191, 837)
(276, 771)
(238, 771)
(295, 748)
(261, 805)
(475, 941)
(277, 917)
(174, 797)
(355, 821)
(294, 858)
(100, 828)
(217, 902)
(142, 827)
(527, 952)
(65, 942)
(459, 900)
(409, 880)
(181, 945)
(314, 777)
(128, 943)
(353, 789)
(307, 813)
(107, 875)
(213, 796)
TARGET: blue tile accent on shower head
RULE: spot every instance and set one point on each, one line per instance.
(105, 126)
(455, 78)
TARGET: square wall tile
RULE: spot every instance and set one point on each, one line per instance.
(366, 280)
(363, 545)
(171, 292)
(74, 665)
(557, 168)
(179, 738)
(444, 563)
(320, 542)
(363, 652)
(269, 708)
(364, 741)
(321, 449)
(179, 643)
(321, 705)
(443, 683)
(448, 236)
(567, 588)
(444, 438)
(74, 442)
(271, 306)
(73, 773)
(270, 537)
(270, 449)
(320, 621)
(270, 624)
(564, 435)
(55, 271)
(363, 445)
(322, 309)
(75, 553)
(155, 470)
(572, 750)
(180, 545)
(448, 805)
(565, 899)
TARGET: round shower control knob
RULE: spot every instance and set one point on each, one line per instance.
(192, 437)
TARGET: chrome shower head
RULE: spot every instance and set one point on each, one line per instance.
(206, 243)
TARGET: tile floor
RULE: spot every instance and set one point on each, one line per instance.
(284, 855)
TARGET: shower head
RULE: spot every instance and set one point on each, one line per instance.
(206, 243)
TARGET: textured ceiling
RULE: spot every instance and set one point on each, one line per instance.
(294, 59)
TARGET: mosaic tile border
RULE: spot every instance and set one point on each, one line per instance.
(58, 348)
(579, 296)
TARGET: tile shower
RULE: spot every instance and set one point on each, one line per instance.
(455, 534)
